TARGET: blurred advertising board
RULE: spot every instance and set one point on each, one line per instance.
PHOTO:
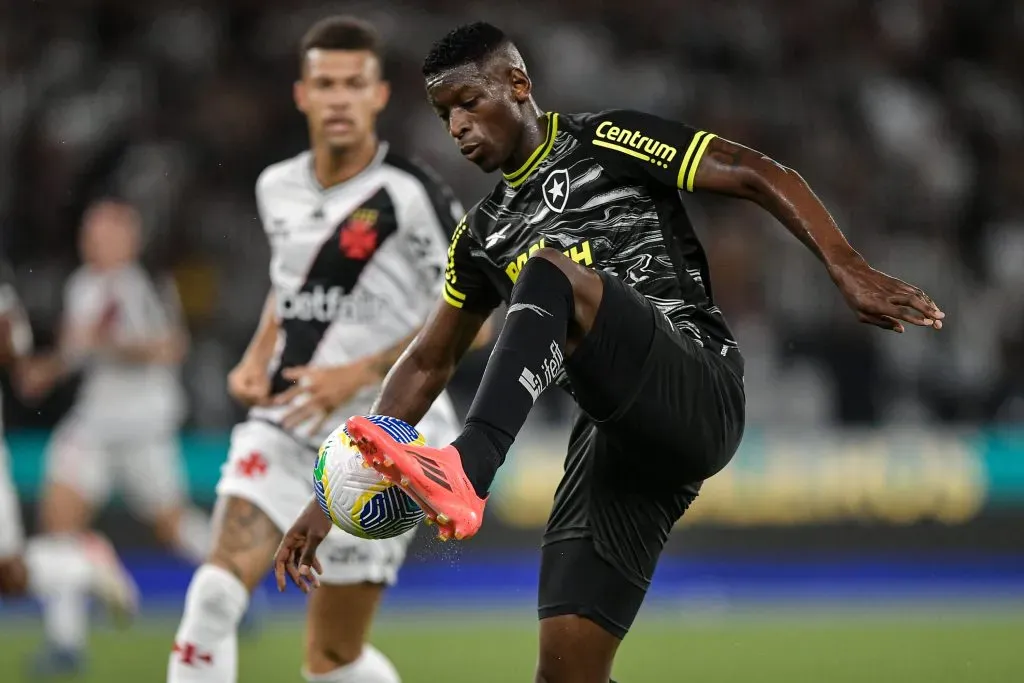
(785, 489)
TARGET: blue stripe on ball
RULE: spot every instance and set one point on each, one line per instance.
(399, 430)
(390, 513)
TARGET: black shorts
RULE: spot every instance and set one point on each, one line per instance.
(659, 414)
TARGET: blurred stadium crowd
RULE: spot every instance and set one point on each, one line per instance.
(907, 116)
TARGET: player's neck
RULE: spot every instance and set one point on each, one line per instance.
(334, 166)
(535, 129)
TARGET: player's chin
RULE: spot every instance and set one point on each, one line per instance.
(341, 142)
(488, 163)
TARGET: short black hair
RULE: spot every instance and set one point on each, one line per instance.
(341, 33)
(463, 45)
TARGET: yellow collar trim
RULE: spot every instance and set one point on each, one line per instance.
(540, 154)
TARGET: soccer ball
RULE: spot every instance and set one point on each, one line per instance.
(357, 498)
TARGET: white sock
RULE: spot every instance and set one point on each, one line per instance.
(60, 576)
(195, 536)
(206, 645)
(371, 667)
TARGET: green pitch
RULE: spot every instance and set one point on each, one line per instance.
(907, 647)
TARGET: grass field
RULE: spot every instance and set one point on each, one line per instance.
(900, 646)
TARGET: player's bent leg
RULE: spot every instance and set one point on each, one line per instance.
(206, 646)
(450, 484)
(155, 487)
(66, 510)
(338, 621)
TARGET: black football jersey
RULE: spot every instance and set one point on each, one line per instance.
(605, 189)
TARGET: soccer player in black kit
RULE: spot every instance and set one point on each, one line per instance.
(587, 240)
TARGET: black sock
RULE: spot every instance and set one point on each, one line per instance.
(525, 360)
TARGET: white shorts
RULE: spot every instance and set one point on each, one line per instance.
(273, 471)
(11, 532)
(145, 467)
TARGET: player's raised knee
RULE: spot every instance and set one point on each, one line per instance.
(572, 270)
(552, 255)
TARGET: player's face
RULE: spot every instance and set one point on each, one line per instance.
(110, 235)
(341, 93)
(481, 111)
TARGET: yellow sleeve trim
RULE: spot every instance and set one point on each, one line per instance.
(448, 298)
(452, 292)
(694, 153)
(696, 160)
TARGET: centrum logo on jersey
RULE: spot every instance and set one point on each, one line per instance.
(634, 143)
(329, 305)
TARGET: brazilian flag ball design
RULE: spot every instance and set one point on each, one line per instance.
(356, 498)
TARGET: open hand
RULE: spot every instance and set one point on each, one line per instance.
(296, 555)
(884, 301)
(322, 390)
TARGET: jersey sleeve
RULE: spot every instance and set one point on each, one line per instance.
(647, 148)
(427, 224)
(466, 286)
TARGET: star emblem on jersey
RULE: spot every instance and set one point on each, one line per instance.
(358, 237)
(556, 190)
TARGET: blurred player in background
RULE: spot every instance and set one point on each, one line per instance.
(358, 238)
(54, 570)
(123, 332)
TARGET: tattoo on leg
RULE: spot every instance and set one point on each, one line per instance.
(244, 528)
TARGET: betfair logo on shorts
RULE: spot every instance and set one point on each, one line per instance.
(579, 252)
(634, 143)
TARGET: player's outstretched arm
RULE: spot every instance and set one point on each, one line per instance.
(425, 367)
(732, 169)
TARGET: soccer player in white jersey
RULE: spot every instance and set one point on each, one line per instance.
(53, 570)
(123, 333)
(358, 239)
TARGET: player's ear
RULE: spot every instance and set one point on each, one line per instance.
(299, 93)
(521, 85)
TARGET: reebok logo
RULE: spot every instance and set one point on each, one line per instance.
(431, 470)
(536, 383)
